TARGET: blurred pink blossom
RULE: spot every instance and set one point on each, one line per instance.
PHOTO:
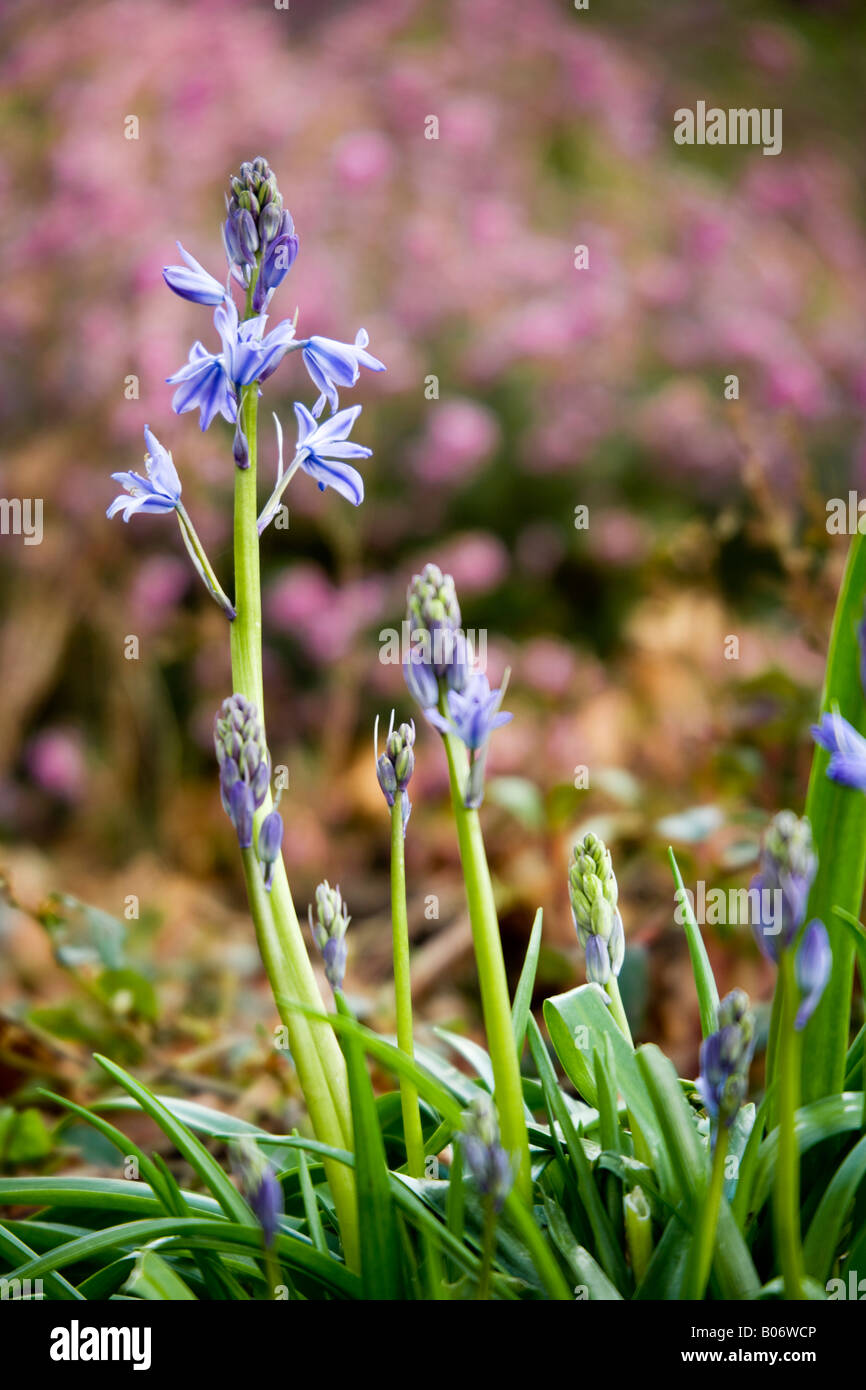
(56, 762)
(460, 436)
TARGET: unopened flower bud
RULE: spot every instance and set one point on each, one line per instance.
(395, 766)
(261, 1187)
(725, 1057)
(245, 765)
(328, 927)
(485, 1157)
(270, 842)
(270, 218)
(594, 893)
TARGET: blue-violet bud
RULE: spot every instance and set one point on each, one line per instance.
(328, 927)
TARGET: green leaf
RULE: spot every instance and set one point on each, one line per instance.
(526, 984)
(199, 1233)
(663, 1281)
(195, 1153)
(154, 1279)
(13, 1248)
(825, 1230)
(604, 1068)
(732, 1263)
(583, 1267)
(583, 1016)
(523, 1222)
(838, 818)
(607, 1245)
(104, 1283)
(24, 1136)
(822, 1119)
(519, 796)
(96, 1194)
(311, 1206)
(377, 1222)
(705, 982)
(124, 1145)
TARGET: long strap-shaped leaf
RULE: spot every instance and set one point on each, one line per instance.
(377, 1221)
(838, 818)
(196, 1233)
(186, 1143)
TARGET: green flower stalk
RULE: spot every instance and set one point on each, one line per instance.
(491, 1170)
(593, 892)
(437, 667)
(394, 769)
(722, 1086)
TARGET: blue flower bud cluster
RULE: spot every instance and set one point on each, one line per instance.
(486, 1160)
(395, 766)
(328, 926)
(787, 869)
(724, 1059)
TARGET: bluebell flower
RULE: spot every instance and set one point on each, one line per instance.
(474, 713)
(158, 492)
(209, 382)
(421, 679)
(846, 747)
(323, 448)
(332, 364)
(278, 258)
(812, 963)
(192, 281)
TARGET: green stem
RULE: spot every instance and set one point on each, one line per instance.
(414, 1134)
(317, 1055)
(488, 1245)
(616, 1007)
(492, 980)
(786, 1191)
(701, 1255)
(311, 1075)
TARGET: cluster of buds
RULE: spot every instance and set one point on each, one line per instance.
(485, 1157)
(245, 772)
(439, 650)
(784, 880)
(593, 892)
(258, 229)
(786, 871)
(261, 1187)
(724, 1060)
(395, 766)
(328, 927)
